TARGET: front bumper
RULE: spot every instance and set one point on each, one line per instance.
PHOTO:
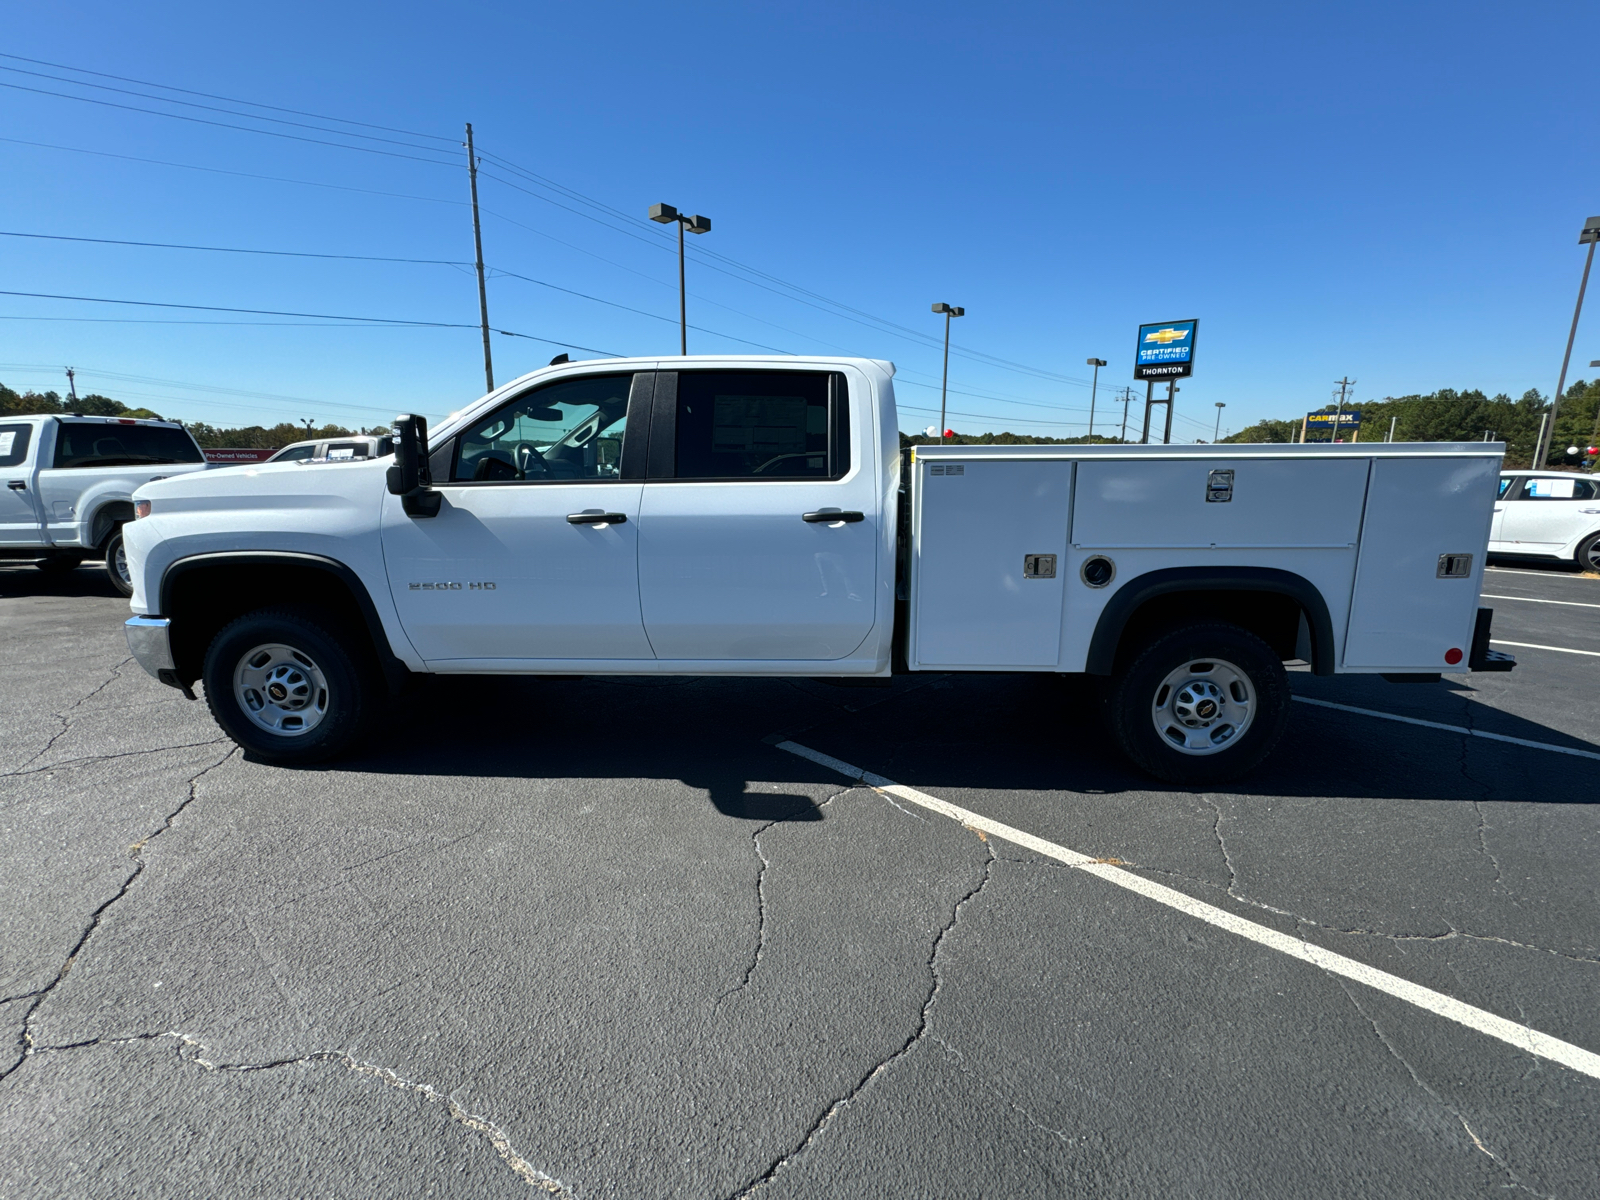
(150, 643)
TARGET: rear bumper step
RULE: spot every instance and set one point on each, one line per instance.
(1483, 658)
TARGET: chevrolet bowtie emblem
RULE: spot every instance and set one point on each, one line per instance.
(1162, 336)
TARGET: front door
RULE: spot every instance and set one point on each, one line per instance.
(19, 519)
(1543, 513)
(521, 563)
(731, 567)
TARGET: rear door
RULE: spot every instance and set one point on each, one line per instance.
(740, 557)
(1545, 513)
(522, 563)
(19, 518)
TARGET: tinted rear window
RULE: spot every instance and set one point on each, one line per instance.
(14, 444)
(760, 424)
(98, 444)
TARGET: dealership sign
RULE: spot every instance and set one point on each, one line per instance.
(1319, 425)
(1165, 350)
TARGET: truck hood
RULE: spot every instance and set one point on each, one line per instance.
(269, 486)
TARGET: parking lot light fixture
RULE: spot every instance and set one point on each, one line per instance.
(1096, 363)
(1588, 237)
(1217, 433)
(949, 311)
(665, 214)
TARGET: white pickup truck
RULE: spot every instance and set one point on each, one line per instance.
(70, 481)
(755, 516)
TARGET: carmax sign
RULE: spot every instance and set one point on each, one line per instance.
(1165, 350)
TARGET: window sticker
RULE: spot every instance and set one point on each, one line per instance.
(1553, 489)
(6, 441)
(343, 452)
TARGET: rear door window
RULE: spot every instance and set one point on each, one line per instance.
(1570, 488)
(781, 425)
(14, 441)
(102, 444)
(294, 454)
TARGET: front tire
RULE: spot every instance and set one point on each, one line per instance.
(282, 684)
(1200, 704)
(117, 563)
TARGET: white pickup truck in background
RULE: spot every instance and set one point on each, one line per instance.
(69, 484)
(755, 516)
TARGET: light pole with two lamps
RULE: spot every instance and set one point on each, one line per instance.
(665, 214)
(1096, 363)
(948, 311)
(1589, 236)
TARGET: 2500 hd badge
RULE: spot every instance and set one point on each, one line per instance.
(484, 586)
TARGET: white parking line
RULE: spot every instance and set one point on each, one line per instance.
(1536, 600)
(1520, 1036)
(1483, 733)
(1536, 646)
(1540, 574)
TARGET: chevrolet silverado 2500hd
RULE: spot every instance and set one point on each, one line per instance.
(755, 516)
(70, 481)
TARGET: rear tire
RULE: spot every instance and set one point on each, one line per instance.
(1200, 704)
(60, 564)
(117, 563)
(1588, 556)
(282, 684)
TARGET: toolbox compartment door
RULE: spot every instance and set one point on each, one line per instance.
(1405, 615)
(977, 606)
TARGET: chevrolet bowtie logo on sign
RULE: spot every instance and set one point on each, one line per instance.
(1165, 350)
(1169, 334)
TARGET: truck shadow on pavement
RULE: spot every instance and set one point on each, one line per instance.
(943, 734)
(19, 579)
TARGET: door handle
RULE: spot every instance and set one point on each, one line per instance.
(18, 485)
(828, 516)
(596, 518)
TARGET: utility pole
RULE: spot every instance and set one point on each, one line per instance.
(1345, 385)
(1172, 391)
(1127, 397)
(72, 386)
(477, 245)
(1392, 421)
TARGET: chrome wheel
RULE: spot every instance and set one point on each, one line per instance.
(119, 564)
(1589, 555)
(1204, 706)
(280, 689)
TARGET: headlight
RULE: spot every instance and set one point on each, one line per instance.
(141, 508)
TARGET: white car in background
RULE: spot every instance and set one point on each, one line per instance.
(344, 449)
(1548, 514)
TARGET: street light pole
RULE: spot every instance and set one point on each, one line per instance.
(1096, 363)
(1216, 433)
(948, 311)
(1589, 236)
(665, 214)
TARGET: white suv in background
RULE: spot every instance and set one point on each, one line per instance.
(1548, 514)
(335, 449)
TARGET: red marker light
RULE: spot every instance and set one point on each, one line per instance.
(1452, 656)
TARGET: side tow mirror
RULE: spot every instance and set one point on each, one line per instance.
(410, 478)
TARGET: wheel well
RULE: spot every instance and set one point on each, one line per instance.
(201, 598)
(106, 518)
(1271, 616)
(1285, 610)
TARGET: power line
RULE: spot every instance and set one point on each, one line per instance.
(210, 96)
(338, 187)
(269, 312)
(210, 108)
(61, 237)
(293, 137)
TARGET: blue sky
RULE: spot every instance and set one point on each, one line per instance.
(1391, 192)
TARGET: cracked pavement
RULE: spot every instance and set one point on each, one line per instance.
(598, 939)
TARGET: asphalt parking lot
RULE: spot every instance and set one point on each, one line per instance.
(622, 938)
